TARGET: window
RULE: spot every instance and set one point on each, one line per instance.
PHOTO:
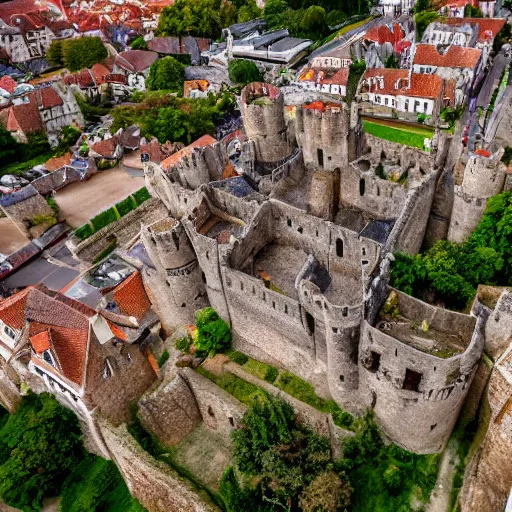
(289, 222)
(412, 380)
(342, 378)
(210, 411)
(9, 332)
(374, 361)
(362, 185)
(320, 155)
(406, 105)
(425, 106)
(339, 247)
(48, 358)
(311, 323)
(416, 105)
(107, 370)
(386, 101)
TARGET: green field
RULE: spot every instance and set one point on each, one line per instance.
(413, 136)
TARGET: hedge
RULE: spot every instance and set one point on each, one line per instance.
(126, 206)
(141, 195)
(112, 214)
(104, 218)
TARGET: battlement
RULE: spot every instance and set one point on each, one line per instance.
(255, 91)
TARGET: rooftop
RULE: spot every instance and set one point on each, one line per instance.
(488, 28)
(171, 161)
(454, 57)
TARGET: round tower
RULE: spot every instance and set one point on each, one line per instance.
(176, 284)
(262, 107)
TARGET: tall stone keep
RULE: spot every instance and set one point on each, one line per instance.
(262, 107)
(176, 282)
(484, 177)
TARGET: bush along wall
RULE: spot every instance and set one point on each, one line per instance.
(114, 213)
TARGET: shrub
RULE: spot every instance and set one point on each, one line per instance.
(104, 219)
(166, 74)
(84, 231)
(163, 358)
(82, 52)
(126, 206)
(183, 344)
(392, 478)
(237, 357)
(328, 492)
(105, 164)
(261, 370)
(244, 71)
(141, 195)
(36, 220)
(138, 44)
(53, 205)
(213, 333)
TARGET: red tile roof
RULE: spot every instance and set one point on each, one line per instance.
(487, 27)
(7, 9)
(117, 331)
(395, 83)
(383, 34)
(83, 79)
(171, 161)
(99, 73)
(325, 76)
(41, 342)
(12, 310)
(131, 297)
(8, 84)
(454, 57)
(136, 60)
(47, 97)
(106, 148)
(25, 117)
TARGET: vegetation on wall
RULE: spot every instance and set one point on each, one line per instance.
(450, 272)
(213, 333)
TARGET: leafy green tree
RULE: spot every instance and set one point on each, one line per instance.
(138, 44)
(422, 5)
(275, 13)
(9, 148)
(54, 53)
(391, 62)
(213, 333)
(169, 125)
(39, 445)
(335, 18)
(423, 20)
(201, 120)
(82, 52)
(228, 14)
(166, 74)
(244, 71)
(313, 22)
(472, 12)
(249, 11)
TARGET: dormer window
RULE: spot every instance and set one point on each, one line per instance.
(9, 332)
(48, 358)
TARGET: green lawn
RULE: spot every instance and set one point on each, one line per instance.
(413, 136)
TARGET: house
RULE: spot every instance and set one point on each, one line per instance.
(336, 58)
(188, 45)
(441, 34)
(12, 43)
(395, 7)
(24, 119)
(396, 89)
(37, 34)
(92, 361)
(135, 65)
(462, 64)
(326, 80)
(186, 152)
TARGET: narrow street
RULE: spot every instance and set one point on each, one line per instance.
(440, 497)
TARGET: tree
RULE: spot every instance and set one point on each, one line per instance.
(335, 18)
(54, 53)
(228, 14)
(166, 74)
(39, 445)
(472, 12)
(422, 5)
(423, 20)
(274, 13)
(244, 71)
(9, 148)
(328, 492)
(213, 333)
(313, 23)
(169, 125)
(391, 62)
(250, 11)
(83, 52)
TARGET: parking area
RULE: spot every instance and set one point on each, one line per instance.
(82, 200)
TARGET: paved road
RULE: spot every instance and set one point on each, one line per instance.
(492, 77)
(11, 238)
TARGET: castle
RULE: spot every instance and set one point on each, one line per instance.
(294, 253)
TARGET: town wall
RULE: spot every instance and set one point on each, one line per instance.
(170, 412)
(123, 231)
(466, 214)
(499, 326)
(487, 480)
(155, 484)
(219, 409)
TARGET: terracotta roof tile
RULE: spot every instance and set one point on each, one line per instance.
(83, 79)
(171, 161)
(99, 73)
(12, 309)
(57, 162)
(454, 57)
(41, 341)
(383, 34)
(488, 28)
(131, 297)
(105, 148)
(47, 97)
(395, 81)
(118, 332)
(136, 60)
(8, 84)
(25, 117)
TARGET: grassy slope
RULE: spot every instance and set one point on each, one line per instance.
(412, 137)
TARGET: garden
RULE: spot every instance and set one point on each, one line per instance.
(412, 135)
